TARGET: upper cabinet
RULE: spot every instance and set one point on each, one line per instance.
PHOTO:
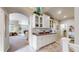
(54, 24)
(51, 23)
(40, 21)
(36, 21)
(46, 22)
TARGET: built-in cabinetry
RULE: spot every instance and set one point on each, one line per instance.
(40, 21)
(54, 25)
(37, 21)
(42, 40)
(51, 23)
(46, 22)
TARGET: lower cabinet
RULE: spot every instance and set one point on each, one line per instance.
(42, 40)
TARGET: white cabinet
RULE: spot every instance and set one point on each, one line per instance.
(40, 41)
(51, 23)
(46, 22)
(40, 21)
(54, 25)
(37, 21)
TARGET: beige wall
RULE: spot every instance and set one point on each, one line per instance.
(4, 34)
(69, 22)
(6, 40)
(2, 29)
(76, 25)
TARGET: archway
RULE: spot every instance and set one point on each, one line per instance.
(18, 31)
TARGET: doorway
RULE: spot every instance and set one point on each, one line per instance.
(18, 31)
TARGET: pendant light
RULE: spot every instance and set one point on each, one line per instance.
(39, 10)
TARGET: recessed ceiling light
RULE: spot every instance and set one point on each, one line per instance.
(64, 16)
(59, 12)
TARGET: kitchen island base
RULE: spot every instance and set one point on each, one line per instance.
(39, 41)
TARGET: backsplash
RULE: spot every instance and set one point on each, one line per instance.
(37, 30)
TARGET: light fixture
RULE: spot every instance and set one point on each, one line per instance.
(64, 16)
(39, 10)
(59, 12)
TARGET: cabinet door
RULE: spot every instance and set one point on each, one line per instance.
(36, 21)
(46, 22)
(41, 21)
(51, 23)
(40, 42)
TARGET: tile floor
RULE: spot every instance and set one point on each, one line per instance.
(17, 43)
(22, 45)
(54, 47)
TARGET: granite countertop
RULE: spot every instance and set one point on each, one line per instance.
(43, 34)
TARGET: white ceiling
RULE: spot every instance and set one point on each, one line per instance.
(65, 12)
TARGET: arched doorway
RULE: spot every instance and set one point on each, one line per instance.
(18, 31)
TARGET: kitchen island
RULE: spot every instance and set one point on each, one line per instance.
(40, 40)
